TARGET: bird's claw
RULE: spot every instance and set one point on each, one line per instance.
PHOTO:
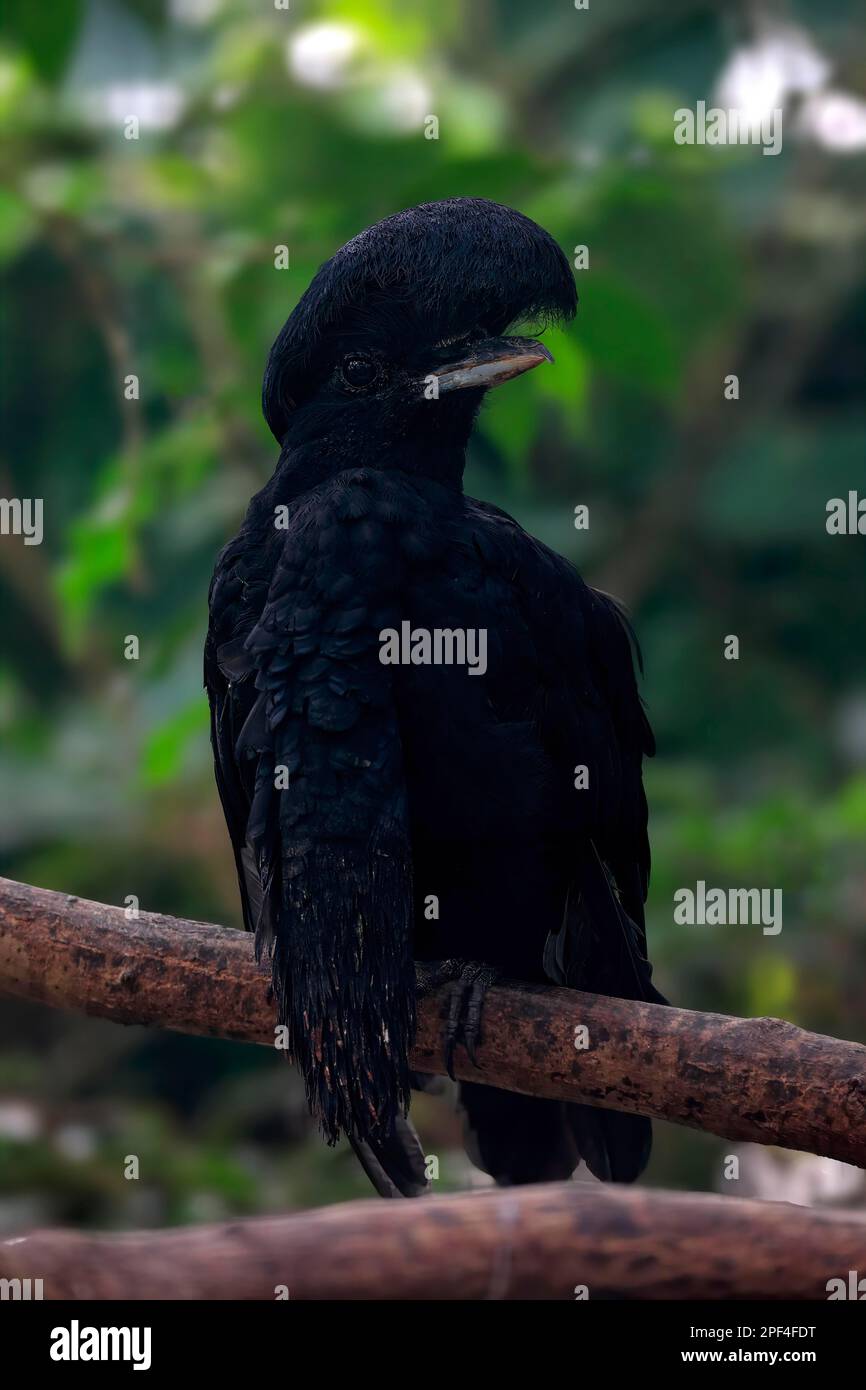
(465, 1004)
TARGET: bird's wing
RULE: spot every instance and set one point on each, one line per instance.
(587, 712)
(324, 861)
(237, 594)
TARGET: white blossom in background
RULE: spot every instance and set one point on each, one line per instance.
(752, 83)
(322, 55)
(403, 99)
(763, 76)
(835, 120)
(158, 105)
(20, 1121)
(75, 1142)
(388, 100)
(194, 11)
(381, 97)
(759, 77)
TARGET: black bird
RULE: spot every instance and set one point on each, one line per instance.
(396, 824)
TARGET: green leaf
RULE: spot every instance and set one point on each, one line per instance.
(771, 983)
(851, 806)
(509, 421)
(626, 337)
(101, 553)
(45, 32)
(164, 749)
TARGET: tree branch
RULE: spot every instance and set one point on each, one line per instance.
(745, 1079)
(534, 1242)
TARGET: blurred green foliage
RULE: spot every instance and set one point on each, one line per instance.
(154, 257)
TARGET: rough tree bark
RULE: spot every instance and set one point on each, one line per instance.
(748, 1079)
(530, 1243)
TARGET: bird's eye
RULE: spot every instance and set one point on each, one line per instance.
(358, 370)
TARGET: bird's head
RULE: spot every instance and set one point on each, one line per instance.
(387, 356)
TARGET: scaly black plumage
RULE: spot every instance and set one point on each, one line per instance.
(415, 781)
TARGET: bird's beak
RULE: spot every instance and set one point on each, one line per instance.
(491, 362)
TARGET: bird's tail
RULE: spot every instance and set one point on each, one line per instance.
(520, 1139)
(344, 980)
(614, 1146)
(601, 948)
(516, 1139)
(523, 1139)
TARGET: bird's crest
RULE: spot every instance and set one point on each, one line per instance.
(432, 272)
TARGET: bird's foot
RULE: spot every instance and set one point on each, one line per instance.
(470, 980)
(463, 1024)
(430, 974)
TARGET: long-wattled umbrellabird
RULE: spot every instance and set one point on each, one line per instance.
(400, 820)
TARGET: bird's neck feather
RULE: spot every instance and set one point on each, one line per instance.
(302, 468)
